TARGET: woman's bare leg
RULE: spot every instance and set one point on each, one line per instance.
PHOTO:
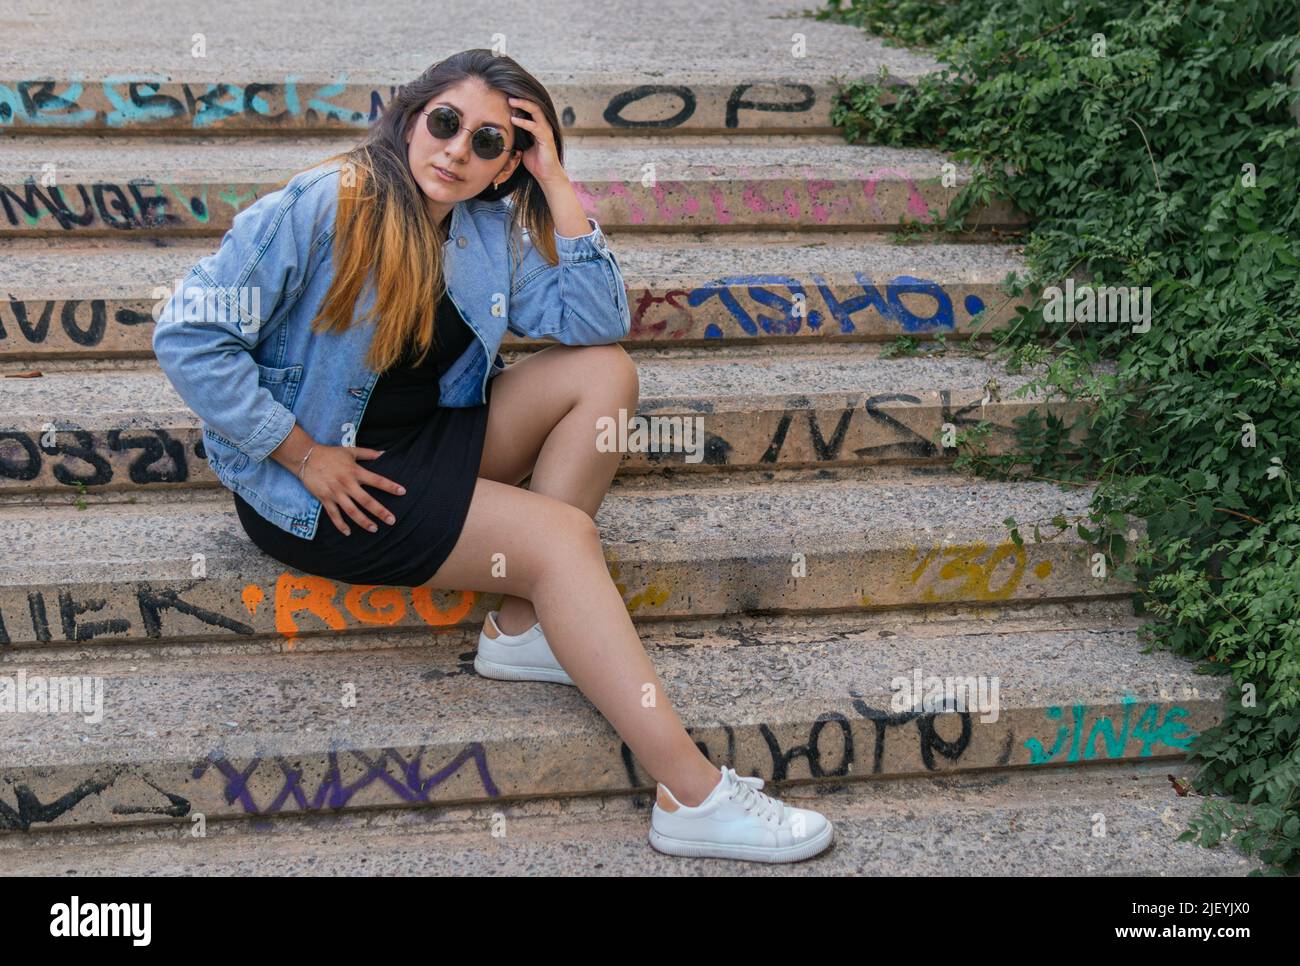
(543, 420)
(553, 557)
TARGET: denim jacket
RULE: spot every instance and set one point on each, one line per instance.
(236, 342)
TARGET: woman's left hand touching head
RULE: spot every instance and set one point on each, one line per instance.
(540, 160)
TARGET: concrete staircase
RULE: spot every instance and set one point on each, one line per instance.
(816, 546)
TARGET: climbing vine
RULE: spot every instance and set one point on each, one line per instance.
(1155, 149)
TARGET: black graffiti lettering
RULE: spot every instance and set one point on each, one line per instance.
(913, 443)
(154, 601)
(209, 103)
(145, 94)
(31, 809)
(736, 102)
(40, 619)
(154, 448)
(811, 750)
(119, 213)
(824, 450)
(152, 208)
(38, 332)
(88, 337)
(83, 449)
(70, 610)
(13, 467)
(39, 96)
(930, 742)
(778, 438)
(614, 109)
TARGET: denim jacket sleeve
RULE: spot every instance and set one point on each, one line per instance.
(230, 302)
(580, 301)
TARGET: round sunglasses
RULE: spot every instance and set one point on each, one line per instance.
(488, 141)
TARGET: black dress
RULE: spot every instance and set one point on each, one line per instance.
(432, 451)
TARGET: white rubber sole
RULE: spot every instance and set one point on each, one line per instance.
(512, 672)
(753, 853)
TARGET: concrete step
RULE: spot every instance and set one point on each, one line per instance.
(999, 823)
(123, 426)
(184, 185)
(604, 73)
(176, 566)
(264, 735)
(95, 297)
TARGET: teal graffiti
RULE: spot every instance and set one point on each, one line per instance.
(1148, 729)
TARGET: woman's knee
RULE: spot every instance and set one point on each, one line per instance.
(613, 374)
(571, 543)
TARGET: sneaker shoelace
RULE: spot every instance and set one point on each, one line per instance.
(746, 794)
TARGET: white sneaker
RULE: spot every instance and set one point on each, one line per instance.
(737, 821)
(517, 657)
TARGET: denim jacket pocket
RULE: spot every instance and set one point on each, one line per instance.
(282, 383)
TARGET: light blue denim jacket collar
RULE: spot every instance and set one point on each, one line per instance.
(235, 338)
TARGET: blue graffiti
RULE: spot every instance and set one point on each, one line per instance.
(1149, 730)
(794, 313)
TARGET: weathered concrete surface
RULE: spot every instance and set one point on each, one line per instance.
(664, 66)
(755, 406)
(265, 735)
(107, 185)
(81, 298)
(1015, 823)
(179, 564)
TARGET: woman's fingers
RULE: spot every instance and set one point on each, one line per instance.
(370, 503)
(354, 511)
(333, 512)
(371, 478)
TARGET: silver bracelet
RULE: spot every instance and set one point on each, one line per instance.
(304, 462)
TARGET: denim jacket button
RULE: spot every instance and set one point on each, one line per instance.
(461, 242)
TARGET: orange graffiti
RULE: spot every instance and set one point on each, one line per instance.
(430, 613)
(253, 597)
(317, 598)
(375, 604)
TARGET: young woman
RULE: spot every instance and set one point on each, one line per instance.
(328, 383)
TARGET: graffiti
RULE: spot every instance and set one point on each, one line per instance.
(294, 598)
(390, 770)
(795, 310)
(686, 98)
(107, 206)
(75, 458)
(133, 101)
(968, 571)
(1149, 730)
(829, 749)
(731, 307)
(149, 100)
(82, 324)
(879, 198)
(28, 809)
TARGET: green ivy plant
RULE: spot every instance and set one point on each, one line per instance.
(1152, 145)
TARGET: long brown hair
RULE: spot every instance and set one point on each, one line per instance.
(383, 225)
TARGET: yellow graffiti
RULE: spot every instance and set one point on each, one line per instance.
(970, 575)
(652, 596)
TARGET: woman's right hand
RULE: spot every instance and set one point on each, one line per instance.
(334, 477)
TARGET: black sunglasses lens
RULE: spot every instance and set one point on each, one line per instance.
(443, 122)
(489, 143)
